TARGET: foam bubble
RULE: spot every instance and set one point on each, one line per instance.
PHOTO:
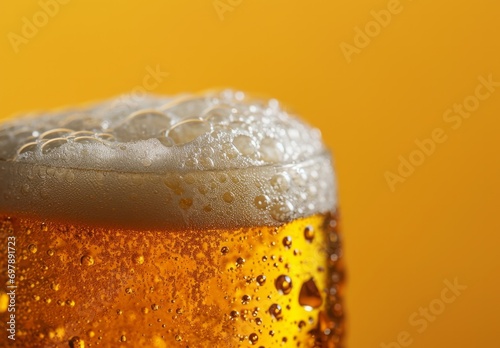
(156, 162)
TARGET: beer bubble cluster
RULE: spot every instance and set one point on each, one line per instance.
(187, 160)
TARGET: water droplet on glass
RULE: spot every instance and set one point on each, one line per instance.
(283, 284)
(281, 182)
(76, 342)
(309, 233)
(234, 315)
(261, 279)
(309, 295)
(287, 242)
(261, 201)
(276, 311)
(253, 338)
(244, 144)
(228, 197)
(282, 211)
(32, 248)
(87, 260)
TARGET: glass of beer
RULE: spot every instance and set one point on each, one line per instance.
(204, 220)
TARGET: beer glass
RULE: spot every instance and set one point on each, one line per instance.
(205, 220)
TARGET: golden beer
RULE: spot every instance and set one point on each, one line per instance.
(205, 221)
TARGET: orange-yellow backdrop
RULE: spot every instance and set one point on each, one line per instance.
(373, 89)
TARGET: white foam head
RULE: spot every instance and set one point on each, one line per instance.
(219, 159)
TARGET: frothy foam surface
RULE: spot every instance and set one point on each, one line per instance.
(217, 159)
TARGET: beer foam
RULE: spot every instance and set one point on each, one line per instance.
(218, 159)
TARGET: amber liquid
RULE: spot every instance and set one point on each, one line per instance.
(85, 287)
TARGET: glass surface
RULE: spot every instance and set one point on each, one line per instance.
(184, 257)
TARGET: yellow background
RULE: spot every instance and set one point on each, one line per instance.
(441, 223)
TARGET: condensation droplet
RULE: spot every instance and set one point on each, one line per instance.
(76, 342)
(87, 260)
(234, 315)
(309, 233)
(287, 242)
(228, 197)
(244, 144)
(32, 248)
(261, 279)
(282, 211)
(224, 250)
(309, 295)
(246, 299)
(253, 338)
(281, 182)
(283, 284)
(261, 201)
(276, 311)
